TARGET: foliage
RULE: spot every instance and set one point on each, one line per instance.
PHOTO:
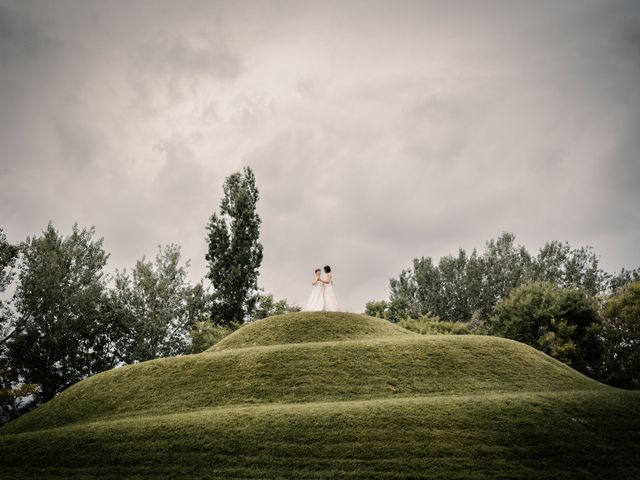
(459, 287)
(12, 390)
(562, 322)
(568, 267)
(428, 325)
(623, 278)
(8, 257)
(266, 306)
(377, 308)
(157, 307)
(235, 254)
(621, 327)
(13, 393)
(205, 334)
(64, 332)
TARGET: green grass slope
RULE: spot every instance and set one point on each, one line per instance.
(307, 327)
(280, 399)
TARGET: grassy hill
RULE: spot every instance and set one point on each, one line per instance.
(333, 395)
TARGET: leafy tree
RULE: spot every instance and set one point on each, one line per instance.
(63, 331)
(11, 389)
(8, 257)
(562, 322)
(461, 287)
(204, 334)
(622, 337)
(266, 306)
(157, 307)
(457, 286)
(377, 308)
(235, 254)
(403, 302)
(456, 303)
(505, 266)
(619, 281)
(564, 266)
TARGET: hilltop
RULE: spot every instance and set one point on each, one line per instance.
(334, 395)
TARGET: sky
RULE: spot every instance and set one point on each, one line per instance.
(378, 131)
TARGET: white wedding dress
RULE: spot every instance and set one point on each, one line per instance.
(322, 298)
(330, 302)
(316, 299)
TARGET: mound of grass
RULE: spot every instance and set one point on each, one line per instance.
(367, 400)
(568, 435)
(434, 326)
(304, 327)
(329, 371)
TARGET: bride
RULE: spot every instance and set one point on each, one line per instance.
(316, 299)
(330, 302)
(322, 297)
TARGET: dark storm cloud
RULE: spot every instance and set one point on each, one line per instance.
(19, 38)
(378, 131)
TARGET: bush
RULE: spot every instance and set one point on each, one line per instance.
(562, 322)
(621, 331)
(206, 334)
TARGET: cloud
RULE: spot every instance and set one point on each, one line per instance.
(378, 131)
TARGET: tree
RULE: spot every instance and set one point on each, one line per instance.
(157, 307)
(267, 306)
(235, 254)
(461, 287)
(564, 266)
(621, 332)
(403, 301)
(63, 332)
(377, 308)
(505, 266)
(562, 322)
(8, 257)
(12, 390)
(618, 281)
(204, 334)
(458, 286)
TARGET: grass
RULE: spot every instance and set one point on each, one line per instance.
(277, 400)
(309, 327)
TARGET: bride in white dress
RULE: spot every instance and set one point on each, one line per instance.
(330, 302)
(322, 297)
(316, 299)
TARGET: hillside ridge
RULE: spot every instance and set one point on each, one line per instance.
(309, 327)
(366, 368)
(333, 395)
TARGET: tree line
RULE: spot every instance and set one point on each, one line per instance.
(558, 300)
(63, 318)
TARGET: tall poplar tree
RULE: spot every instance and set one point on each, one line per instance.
(235, 253)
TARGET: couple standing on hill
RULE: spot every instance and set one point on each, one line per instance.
(322, 297)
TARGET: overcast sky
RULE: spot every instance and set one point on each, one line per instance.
(378, 131)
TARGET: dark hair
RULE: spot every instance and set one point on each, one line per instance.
(327, 268)
(317, 270)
